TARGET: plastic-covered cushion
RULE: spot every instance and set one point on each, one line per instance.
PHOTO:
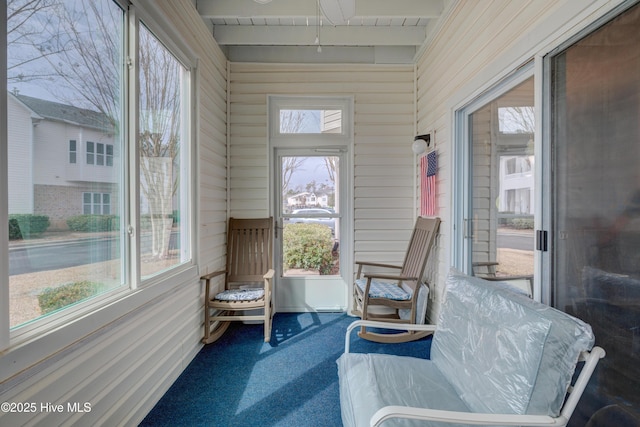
(369, 382)
(380, 289)
(489, 347)
(567, 337)
(251, 294)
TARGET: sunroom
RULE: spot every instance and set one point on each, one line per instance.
(133, 129)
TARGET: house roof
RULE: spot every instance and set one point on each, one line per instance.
(66, 113)
(322, 31)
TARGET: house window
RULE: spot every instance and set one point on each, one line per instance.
(91, 153)
(99, 154)
(96, 203)
(72, 151)
(41, 199)
(109, 155)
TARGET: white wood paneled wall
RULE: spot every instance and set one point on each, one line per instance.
(383, 161)
(122, 368)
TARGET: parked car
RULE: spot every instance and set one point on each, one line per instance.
(315, 219)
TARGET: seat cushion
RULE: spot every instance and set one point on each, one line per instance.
(380, 289)
(240, 294)
(369, 382)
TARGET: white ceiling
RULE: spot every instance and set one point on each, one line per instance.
(381, 31)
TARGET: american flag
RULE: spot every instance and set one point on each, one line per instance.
(428, 168)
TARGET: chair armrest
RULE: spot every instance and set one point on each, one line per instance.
(408, 412)
(212, 275)
(268, 278)
(361, 264)
(377, 264)
(390, 277)
(591, 360)
(269, 274)
(383, 325)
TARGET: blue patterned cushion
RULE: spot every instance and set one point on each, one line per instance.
(381, 289)
(240, 294)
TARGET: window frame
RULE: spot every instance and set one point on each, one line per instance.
(35, 340)
(73, 151)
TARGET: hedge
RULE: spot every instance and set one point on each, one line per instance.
(93, 223)
(26, 226)
(308, 246)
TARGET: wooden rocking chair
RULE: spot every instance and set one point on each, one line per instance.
(396, 292)
(248, 279)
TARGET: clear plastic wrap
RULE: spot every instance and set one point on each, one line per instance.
(494, 351)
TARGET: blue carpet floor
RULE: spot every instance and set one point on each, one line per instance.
(292, 381)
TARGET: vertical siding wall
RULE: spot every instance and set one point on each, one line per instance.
(383, 161)
(124, 367)
(475, 44)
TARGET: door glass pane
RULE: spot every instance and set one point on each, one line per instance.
(59, 252)
(163, 145)
(311, 215)
(502, 186)
(596, 210)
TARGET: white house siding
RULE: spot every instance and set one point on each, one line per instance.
(123, 366)
(475, 45)
(58, 184)
(51, 155)
(20, 181)
(383, 161)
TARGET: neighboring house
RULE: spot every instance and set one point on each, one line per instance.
(516, 185)
(309, 199)
(63, 160)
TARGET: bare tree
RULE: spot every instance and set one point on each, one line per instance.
(159, 139)
(331, 163)
(27, 46)
(519, 119)
(291, 121)
(289, 166)
(88, 70)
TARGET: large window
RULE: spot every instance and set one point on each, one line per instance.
(595, 134)
(77, 234)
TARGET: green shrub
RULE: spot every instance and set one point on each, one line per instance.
(54, 298)
(521, 223)
(14, 229)
(93, 223)
(308, 246)
(26, 226)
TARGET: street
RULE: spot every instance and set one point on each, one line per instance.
(516, 239)
(54, 255)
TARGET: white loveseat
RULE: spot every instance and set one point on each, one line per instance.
(497, 358)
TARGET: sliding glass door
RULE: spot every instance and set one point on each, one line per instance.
(595, 135)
